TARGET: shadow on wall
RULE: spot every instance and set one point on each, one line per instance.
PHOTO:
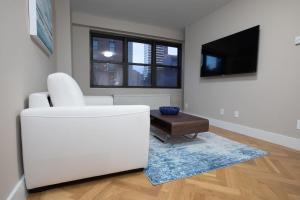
(19, 145)
(19, 139)
(230, 78)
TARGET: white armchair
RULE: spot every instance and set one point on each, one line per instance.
(63, 143)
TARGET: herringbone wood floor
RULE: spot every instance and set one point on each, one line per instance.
(273, 177)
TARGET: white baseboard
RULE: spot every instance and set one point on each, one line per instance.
(19, 192)
(276, 138)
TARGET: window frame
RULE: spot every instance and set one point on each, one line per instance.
(125, 39)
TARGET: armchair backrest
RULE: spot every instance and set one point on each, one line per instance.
(64, 91)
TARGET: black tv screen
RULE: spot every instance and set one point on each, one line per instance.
(234, 54)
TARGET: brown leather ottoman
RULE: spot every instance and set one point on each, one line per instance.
(178, 125)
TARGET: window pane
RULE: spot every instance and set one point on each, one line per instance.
(166, 55)
(105, 49)
(139, 75)
(139, 53)
(105, 74)
(166, 77)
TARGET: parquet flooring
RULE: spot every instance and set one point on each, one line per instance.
(274, 177)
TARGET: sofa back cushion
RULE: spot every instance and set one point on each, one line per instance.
(64, 91)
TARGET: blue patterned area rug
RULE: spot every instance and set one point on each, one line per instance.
(181, 157)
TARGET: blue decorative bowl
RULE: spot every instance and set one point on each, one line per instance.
(169, 110)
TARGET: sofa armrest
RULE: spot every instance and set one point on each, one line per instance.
(39, 100)
(85, 111)
(98, 100)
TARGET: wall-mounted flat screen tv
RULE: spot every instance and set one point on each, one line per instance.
(234, 54)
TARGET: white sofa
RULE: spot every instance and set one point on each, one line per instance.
(65, 143)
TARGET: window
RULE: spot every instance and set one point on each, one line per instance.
(107, 62)
(139, 64)
(118, 61)
(112, 45)
(167, 66)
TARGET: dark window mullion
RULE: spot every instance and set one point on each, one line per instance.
(168, 66)
(179, 63)
(126, 66)
(140, 64)
(153, 64)
(91, 61)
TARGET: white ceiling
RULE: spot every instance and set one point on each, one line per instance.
(167, 13)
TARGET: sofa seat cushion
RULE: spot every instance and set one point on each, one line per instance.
(64, 91)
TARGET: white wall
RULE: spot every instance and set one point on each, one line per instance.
(126, 26)
(23, 69)
(268, 100)
(82, 23)
(63, 36)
